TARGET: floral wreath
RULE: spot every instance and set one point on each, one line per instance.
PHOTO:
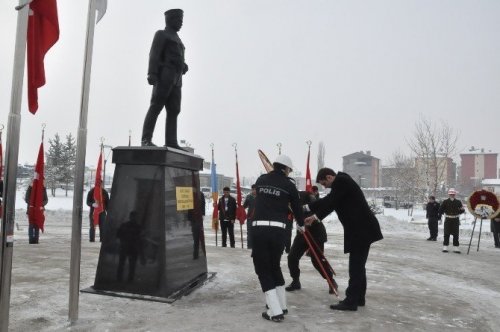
(484, 204)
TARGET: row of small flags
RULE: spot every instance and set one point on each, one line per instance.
(35, 206)
(240, 210)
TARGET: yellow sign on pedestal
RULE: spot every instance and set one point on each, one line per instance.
(184, 198)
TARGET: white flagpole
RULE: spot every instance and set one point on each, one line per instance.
(11, 156)
(81, 145)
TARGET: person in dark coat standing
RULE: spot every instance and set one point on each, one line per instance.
(495, 230)
(451, 208)
(227, 216)
(433, 216)
(361, 229)
(33, 230)
(102, 216)
(275, 193)
(249, 204)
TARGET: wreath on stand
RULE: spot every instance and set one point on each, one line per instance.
(484, 204)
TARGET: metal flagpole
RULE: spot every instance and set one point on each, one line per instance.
(81, 145)
(11, 156)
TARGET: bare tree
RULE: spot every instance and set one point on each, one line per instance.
(321, 155)
(404, 177)
(434, 147)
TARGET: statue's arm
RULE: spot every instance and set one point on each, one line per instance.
(155, 57)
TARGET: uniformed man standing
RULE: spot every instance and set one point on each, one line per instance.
(451, 208)
(275, 191)
(166, 67)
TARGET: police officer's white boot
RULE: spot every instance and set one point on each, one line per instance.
(274, 313)
(445, 249)
(456, 249)
(280, 290)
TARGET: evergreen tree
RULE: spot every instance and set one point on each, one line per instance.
(54, 164)
(69, 161)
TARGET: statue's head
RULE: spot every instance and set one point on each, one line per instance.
(173, 18)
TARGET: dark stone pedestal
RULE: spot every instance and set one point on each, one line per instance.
(153, 243)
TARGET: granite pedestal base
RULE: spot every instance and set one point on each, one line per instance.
(153, 242)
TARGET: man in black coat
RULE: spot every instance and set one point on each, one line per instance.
(361, 229)
(433, 216)
(227, 216)
(102, 216)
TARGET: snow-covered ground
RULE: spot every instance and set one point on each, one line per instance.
(412, 286)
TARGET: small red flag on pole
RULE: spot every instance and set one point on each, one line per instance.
(36, 209)
(308, 170)
(1, 172)
(98, 200)
(1, 154)
(240, 210)
(43, 33)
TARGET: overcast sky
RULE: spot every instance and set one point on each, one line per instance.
(355, 75)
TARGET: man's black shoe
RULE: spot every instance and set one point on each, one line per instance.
(295, 285)
(344, 307)
(146, 142)
(277, 318)
(361, 303)
(285, 311)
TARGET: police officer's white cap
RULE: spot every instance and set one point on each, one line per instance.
(284, 160)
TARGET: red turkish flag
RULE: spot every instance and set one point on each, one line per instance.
(241, 215)
(36, 210)
(98, 200)
(43, 33)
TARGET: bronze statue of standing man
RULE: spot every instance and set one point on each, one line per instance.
(166, 67)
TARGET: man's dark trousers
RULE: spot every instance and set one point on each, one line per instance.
(356, 289)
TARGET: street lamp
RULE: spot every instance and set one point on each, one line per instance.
(279, 147)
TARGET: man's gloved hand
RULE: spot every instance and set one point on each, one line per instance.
(95, 205)
(152, 79)
(301, 229)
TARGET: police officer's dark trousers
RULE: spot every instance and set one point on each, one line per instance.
(451, 227)
(267, 248)
(433, 227)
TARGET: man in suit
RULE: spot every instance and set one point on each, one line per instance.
(361, 229)
(166, 67)
(227, 216)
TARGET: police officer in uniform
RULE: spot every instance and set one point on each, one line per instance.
(451, 208)
(166, 67)
(275, 191)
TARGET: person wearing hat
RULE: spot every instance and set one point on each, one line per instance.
(166, 67)
(361, 229)
(451, 208)
(433, 216)
(275, 192)
(227, 216)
